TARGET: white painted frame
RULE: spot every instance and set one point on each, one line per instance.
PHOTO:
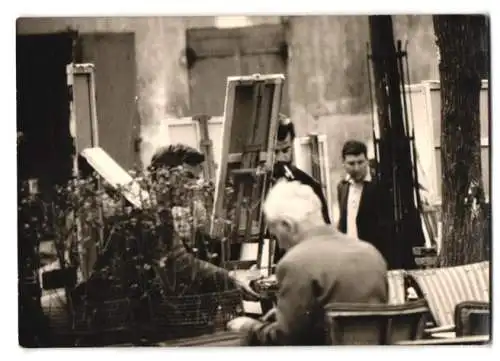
(324, 161)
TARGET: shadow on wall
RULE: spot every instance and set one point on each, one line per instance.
(339, 129)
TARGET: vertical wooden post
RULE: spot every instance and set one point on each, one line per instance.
(206, 147)
(84, 127)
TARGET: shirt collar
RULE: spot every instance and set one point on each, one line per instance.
(323, 230)
(368, 178)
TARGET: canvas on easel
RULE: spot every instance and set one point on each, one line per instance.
(251, 116)
(202, 134)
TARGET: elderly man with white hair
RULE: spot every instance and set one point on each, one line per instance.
(321, 266)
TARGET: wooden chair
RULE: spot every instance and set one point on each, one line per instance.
(366, 324)
(396, 280)
(472, 319)
(445, 288)
(465, 340)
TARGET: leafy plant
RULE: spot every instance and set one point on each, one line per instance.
(115, 245)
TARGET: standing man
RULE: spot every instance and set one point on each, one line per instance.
(283, 167)
(358, 197)
(321, 266)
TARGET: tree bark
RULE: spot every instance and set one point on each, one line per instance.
(463, 204)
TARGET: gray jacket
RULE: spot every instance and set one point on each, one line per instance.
(326, 267)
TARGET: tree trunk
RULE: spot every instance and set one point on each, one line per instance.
(458, 38)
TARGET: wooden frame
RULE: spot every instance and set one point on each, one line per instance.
(472, 318)
(116, 176)
(432, 112)
(85, 132)
(75, 72)
(231, 158)
(372, 324)
(303, 161)
(206, 146)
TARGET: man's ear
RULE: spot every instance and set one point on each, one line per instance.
(289, 226)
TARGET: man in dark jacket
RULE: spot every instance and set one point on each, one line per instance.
(321, 266)
(359, 197)
(284, 168)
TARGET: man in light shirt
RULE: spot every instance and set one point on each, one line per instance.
(359, 197)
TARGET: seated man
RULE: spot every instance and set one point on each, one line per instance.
(190, 161)
(321, 266)
(184, 259)
(175, 242)
(284, 169)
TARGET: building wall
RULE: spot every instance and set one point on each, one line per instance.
(327, 69)
(162, 85)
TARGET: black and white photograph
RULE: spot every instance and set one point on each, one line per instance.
(254, 180)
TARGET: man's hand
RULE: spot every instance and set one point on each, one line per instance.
(248, 293)
(242, 324)
(270, 316)
(244, 285)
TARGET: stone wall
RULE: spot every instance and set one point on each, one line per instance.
(327, 69)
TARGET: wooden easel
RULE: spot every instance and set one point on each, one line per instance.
(206, 146)
(83, 119)
(250, 126)
(315, 161)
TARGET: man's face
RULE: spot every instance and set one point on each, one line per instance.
(283, 150)
(356, 166)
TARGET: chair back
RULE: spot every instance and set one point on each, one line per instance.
(397, 287)
(472, 318)
(444, 288)
(368, 324)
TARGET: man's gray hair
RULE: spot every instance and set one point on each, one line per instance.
(292, 201)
